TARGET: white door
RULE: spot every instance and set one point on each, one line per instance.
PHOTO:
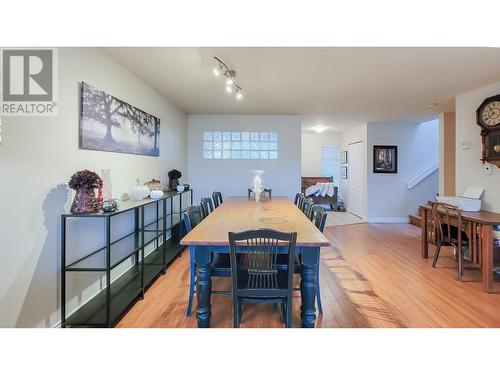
(355, 174)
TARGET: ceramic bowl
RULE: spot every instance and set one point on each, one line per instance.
(156, 194)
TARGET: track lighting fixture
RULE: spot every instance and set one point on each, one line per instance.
(222, 70)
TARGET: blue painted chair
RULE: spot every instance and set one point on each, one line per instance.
(297, 198)
(206, 206)
(217, 197)
(221, 266)
(307, 203)
(257, 277)
(318, 217)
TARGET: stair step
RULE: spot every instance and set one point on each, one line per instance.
(416, 220)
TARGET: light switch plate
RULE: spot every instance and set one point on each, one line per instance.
(487, 168)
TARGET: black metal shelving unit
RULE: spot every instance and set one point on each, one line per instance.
(165, 231)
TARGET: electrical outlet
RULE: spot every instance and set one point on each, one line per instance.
(487, 168)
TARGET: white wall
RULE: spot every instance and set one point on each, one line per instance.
(389, 199)
(37, 158)
(231, 177)
(311, 151)
(469, 169)
(354, 135)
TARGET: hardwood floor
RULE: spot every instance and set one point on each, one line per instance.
(373, 276)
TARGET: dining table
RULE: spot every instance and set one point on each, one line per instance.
(238, 214)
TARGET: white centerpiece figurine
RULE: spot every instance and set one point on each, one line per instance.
(257, 182)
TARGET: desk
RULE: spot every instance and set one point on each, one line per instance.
(237, 214)
(479, 228)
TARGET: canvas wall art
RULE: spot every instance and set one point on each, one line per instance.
(110, 124)
(385, 159)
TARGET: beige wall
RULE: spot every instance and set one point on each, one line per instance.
(37, 157)
(469, 169)
(311, 150)
(447, 141)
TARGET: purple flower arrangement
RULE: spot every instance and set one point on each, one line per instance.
(85, 179)
(84, 182)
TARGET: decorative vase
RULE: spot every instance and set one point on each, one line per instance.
(173, 183)
(84, 202)
(257, 182)
(140, 191)
(106, 185)
(109, 206)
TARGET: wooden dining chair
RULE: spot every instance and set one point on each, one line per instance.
(264, 192)
(217, 198)
(255, 275)
(297, 198)
(306, 206)
(220, 265)
(300, 202)
(206, 206)
(448, 230)
(318, 216)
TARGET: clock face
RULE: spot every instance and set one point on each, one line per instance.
(490, 114)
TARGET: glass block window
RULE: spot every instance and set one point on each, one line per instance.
(240, 145)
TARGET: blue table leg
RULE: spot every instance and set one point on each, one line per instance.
(203, 285)
(310, 259)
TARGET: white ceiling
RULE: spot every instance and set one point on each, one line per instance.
(333, 87)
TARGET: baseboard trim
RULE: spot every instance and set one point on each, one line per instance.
(388, 220)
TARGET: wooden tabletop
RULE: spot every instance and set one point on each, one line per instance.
(483, 217)
(237, 214)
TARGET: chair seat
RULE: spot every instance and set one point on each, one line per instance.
(454, 233)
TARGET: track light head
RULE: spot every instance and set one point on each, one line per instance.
(230, 77)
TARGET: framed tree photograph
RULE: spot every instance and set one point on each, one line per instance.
(343, 172)
(344, 157)
(385, 159)
(110, 124)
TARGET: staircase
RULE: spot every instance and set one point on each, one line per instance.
(422, 175)
(416, 219)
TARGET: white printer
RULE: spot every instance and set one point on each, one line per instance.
(468, 201)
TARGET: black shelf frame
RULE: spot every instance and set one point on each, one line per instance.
(107, 307)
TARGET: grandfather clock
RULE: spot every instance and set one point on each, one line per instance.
(488, 118)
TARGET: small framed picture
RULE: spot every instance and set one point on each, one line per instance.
(343, 157)
(343, 172)
(385, 159)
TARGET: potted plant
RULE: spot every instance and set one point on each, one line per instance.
(84, 182)
(173, 179)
